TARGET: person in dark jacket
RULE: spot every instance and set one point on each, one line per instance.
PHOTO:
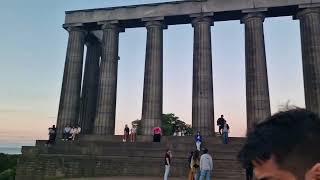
(198, 139)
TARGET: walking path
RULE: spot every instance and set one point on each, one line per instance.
(126, 178)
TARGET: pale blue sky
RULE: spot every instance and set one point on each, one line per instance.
(32, 55)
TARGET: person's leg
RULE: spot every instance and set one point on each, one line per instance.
(198, 144)
(224, 138)
(196, 175)
(190, 174)
(69, 136)
(202, 175)
(227, 138)
(166, 173)
(208, 175)
(251, 175)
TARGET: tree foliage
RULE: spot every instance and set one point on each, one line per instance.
(8, 165)
(170, 123)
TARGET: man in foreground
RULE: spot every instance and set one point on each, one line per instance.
(285, 146)
(206, 165)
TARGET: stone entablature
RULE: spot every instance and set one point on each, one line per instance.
(179, 12)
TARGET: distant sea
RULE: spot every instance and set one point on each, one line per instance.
(10, 146)
(10, 150)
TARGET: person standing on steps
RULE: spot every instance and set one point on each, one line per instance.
(167, 164)
(126, 133)
(133, 134)
(220, 123)
(198, 140)
(195, 165)
(225, 133)
(206, 165)
(156, 134)
(52, 135)
(190, 175)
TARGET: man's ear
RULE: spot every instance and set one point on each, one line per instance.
(313, 173)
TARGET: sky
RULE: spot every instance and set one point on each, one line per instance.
(33, 48)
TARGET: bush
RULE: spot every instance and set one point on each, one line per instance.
(8, 165)
(8, 161)
(8, 174)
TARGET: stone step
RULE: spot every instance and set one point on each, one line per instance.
(86, 158)
(166, 139)
(144, 146)
(128, 152)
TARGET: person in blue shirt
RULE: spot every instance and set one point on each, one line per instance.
(198, 140)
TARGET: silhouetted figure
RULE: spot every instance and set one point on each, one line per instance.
(126, 131)
(52, 135)
(220, 123)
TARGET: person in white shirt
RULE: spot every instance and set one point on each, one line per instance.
(225, 133)
(78, 130)
(73, 133)
(133, 134)
(206, 165)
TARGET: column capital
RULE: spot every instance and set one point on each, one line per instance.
(111, 25)
(249, 16)
(155, 23)
(307, 11)
(202, 19)
(74, 27)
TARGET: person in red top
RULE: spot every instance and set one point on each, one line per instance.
(156, 134)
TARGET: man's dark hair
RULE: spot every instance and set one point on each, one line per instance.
(205, 150)
(291, 137)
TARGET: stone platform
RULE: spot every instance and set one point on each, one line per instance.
(108, 156)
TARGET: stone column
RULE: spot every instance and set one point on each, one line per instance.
(202, 92)
(257, 89)
(107, 88)
(90, 85)
(310, 39)
(71, 86)
(153, 78)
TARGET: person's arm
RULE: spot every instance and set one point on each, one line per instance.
(168, 162)
(211, 163)
(192, 162)
(201, 163)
